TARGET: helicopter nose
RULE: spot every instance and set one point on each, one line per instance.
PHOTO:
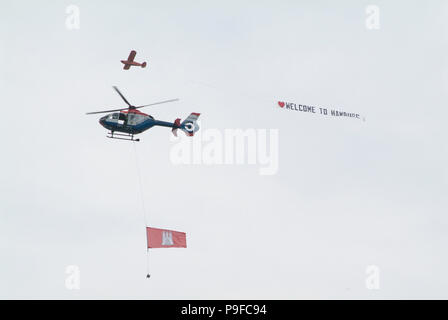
(102, 120)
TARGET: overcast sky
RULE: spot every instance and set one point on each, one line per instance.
(348, 193)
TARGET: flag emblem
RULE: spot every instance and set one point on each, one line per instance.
(167, 238)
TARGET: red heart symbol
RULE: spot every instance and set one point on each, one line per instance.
(281, 104)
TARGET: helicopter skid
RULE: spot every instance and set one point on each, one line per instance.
(128, 137)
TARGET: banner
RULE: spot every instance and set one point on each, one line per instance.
(333, 112)
(162, 238)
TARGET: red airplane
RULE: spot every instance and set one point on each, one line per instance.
(130, 62)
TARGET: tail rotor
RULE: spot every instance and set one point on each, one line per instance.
(189, 125)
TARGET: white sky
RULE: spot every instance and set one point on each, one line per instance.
(348, 193)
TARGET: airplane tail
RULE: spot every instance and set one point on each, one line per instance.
(189, 125)
(143, 64)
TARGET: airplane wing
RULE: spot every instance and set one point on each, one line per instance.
(132, 56)
(126, 66)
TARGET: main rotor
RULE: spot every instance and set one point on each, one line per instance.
(130, 107)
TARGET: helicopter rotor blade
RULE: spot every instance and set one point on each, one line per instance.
(122, 96)
(160, 102)
(130, 108)
(106, 111)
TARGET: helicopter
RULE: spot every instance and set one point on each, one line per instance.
(130, 121)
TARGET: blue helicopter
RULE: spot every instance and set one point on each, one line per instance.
(130, 121)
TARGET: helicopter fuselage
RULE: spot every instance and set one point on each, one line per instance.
(132, 122)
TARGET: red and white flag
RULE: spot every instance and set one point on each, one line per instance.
(162, 238)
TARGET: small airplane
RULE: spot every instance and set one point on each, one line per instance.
(130, 121)
(130, 62)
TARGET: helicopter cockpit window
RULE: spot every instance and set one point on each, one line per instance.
(122, 116)
(114, 116)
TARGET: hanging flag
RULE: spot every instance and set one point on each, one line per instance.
(162, 238)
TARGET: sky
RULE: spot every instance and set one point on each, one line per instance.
(348, 194)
